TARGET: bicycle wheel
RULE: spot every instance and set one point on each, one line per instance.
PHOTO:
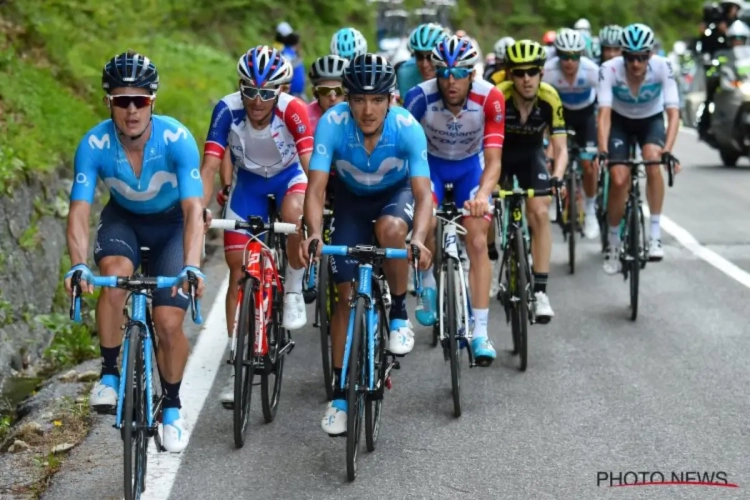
(323, 304)
(634, 258)
(278, 337)
(437, 266)
(355, 398)
(134, 418)
(374, 401)
(572, 188)
(243, 363)
(452, 282)
(520, 307)
(601, 210)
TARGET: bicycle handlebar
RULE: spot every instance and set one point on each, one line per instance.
(133, 283)
(255, 225)
(646, 163)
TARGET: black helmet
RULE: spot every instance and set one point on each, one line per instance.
(130, 69)
(369, 74)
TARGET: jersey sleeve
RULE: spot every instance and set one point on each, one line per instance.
(218, 131)
(414, 149)
(186, 161)
(298, 123)
(86, 171)
(604, 89)
(557, 125)
(671, 95)
(494, 119)
(415, 103)
(327, 135)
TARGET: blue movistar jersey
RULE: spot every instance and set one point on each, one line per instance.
(408, 77)
(169, 174)
(401, 152)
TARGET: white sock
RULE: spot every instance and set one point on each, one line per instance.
(614, 236)
(428, 279)
(655, 227)
(480, 323)
(293, 279)
(590, 205)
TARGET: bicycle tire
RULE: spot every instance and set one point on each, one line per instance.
(244, 371)
(573, 228)
(634, 252)
(437, 266)
(274, 362)
(323, 306)
(452, 326)
(601, 211)
(374, 403)
(131, 470)
(354, 398)
(521, 307)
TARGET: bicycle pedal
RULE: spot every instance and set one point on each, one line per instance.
(228, 406)
(396, 364)
(105, 410)
(316, 325)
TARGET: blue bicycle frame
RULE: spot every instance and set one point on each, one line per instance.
(138, 304)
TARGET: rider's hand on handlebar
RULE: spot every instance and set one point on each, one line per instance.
(668, 158)
(304, 248)
(478, 206)
(86, 278)
(555, 183)
(200, 286)
(600, 160)
(222, 196)
(425, 256)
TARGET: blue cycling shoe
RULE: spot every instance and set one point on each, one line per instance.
(484, 351)
(426, 311)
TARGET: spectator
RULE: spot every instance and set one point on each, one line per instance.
(286, 36)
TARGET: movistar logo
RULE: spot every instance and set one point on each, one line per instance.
(95, 142)
(338, 118)
(170, 136)
(405, 121)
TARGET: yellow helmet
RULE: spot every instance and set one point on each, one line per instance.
(525, 53)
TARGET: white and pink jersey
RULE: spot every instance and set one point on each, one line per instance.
(263, 152)
(480, 124)
(314, 113)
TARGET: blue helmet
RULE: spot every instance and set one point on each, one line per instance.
(637, 38)
(425, 37)
(348, 43)
(455, 52)
(369, 74)
(264, 66)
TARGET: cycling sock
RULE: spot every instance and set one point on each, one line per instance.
(614, 236)
(492, 251)
(540, 282)
(338, 392)
(655, 226)
(398, 307)
(171, 394)
(428, 279)
(590, 205)
(480, 323)
(293, 279)
(109, 360)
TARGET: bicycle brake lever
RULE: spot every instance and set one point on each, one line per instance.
(195, 305)
(75, 296)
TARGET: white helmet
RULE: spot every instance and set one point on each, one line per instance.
(568, 40)
(679, 48)
(738, 29)
(582, 24)
(501, 46)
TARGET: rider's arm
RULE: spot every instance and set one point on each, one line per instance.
(415, 102)
(81, 198)
(226, 170)
(604, 96)
(327, 135)
(414, 148)
(558, 133)
(672, 106)
(213, 152)
(494, 135)
(297, 122)
(186, 158)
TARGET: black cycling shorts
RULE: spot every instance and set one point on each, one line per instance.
(530, 167)
(583, 123)
(353, 217)
(122, 233)
(644, 130)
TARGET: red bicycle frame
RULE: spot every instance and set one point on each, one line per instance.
(260, 267)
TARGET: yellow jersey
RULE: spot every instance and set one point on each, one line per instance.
(546, 114)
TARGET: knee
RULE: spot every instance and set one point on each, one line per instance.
(476, 241)
(653, 173)
(168, 322)
(538, 212)
(618, 179)
(391, 232)
(291, 209)
(115, 266)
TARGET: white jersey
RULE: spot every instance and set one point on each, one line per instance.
(657, 93)
(582, 92)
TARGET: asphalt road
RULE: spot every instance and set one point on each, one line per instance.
(666, 393)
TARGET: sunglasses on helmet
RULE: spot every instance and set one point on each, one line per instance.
(457, 73)
(139, 100)
(251, 92)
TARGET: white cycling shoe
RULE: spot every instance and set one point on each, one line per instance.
(401, 339)
(103, 396)
(176, 432)
(334, 420)
(295, 314)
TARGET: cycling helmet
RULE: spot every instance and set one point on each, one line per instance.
(501, 47)
(568, 40)
(348, 43)
(609, 36)
(637, 38)
(549, 37)
(526, 53)
(264, 66)
(130, 69)
(679, 48)
(328, 68)
(455, 52)
(425, 37)
(369, 74)
(738, 29)
(583, 25)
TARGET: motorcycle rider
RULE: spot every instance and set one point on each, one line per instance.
(712, 39)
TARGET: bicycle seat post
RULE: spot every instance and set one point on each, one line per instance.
(145, 251)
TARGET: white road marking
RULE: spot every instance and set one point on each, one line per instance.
(197, 381)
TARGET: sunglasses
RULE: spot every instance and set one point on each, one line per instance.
(123, 101)
(423, 56)
(630, 57)
(329, 91)
(265, 94)
(521, 72)
(569, 56)
(458, 73)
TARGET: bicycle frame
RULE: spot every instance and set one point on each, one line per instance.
(451, 250)
(517, 210)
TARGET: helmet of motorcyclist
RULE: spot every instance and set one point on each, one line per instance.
(549, 38)
(738, 31)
